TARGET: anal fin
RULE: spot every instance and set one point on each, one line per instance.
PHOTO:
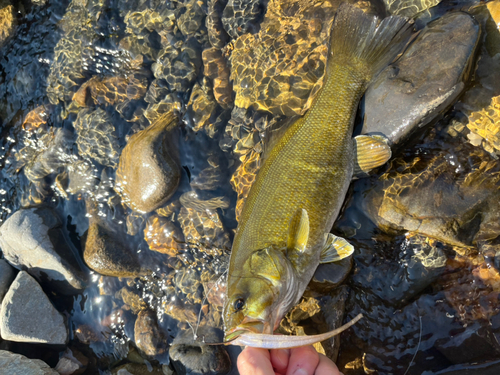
(371, 152)
(335, 249)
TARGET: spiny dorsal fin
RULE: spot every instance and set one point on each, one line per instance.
(298, 234)
(371, 151)
(336, 248)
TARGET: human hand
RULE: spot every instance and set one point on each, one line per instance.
(298, 361)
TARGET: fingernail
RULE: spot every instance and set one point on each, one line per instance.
(300, 371)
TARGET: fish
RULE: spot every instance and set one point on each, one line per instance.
(284, 229)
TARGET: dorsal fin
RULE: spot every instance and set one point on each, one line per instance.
(298, 234)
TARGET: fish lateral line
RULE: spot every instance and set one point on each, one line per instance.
(265, 341)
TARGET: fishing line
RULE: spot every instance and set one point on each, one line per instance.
(418, 345)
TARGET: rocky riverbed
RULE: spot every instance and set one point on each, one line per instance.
(132, 132)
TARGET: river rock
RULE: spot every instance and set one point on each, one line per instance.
(427, 79)
(8, 21)
(189, 357)
(13, 364)
(27, 315)
(148, 172)
(72, 362)
(148, 336)
(6, 277)
(107, 249)
(329, 276)
(34, 240)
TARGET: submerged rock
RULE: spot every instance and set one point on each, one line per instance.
(107, 250)
(12, 363)
(149, 172)
(409, 8)
(486, 124)
(72, 362)
(149, 339)
(8, 20)
(33, 239)
(27, 315)
(425, 81)
(241, 16)
(190, 357)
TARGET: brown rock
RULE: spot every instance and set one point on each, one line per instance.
(148, 337)
(163, 235)
(148, 172)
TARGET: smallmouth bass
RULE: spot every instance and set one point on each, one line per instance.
(284, 228)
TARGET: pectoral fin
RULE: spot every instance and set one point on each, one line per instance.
(298, 234)
(371, 152)
(336, 248)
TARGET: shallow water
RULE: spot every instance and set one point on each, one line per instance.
(80, 78)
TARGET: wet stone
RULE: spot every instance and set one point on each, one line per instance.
(485, 124)
(148, 337)
(409, 8)
(192, 19)
(27, 315)
(7, 20)
(208, 179)
(146, 189)
(106, 249)
(133, 301)
(200, 107)
(72, 362)
(410, 93)
(163, 235)
(419, 196)
(178, 65)
(215, 68)
(12, 363)
(7, 275)
(190, 357)
(96, 136)
(34, 240)
(216, 33)
(240, 17)
(281, 68)
(329, 276)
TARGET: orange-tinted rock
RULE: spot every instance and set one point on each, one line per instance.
(244, 177)
(163, 235)
(217, 70)
(37, 118)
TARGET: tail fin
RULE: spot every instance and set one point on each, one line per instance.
(359, 38)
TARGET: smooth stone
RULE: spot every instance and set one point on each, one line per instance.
(27, 315)
(329, 276)
(189, 357)
(487, 368)
(17, 364)
(332, 309)
(426, 80)
(107, 249)
(149, 339)
(33, 239)
(72, 362)
(148, 171)
(7, 275)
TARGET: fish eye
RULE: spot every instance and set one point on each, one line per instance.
(238, 304)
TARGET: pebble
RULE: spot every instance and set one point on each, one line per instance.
(17, 364)
(148, 336)
(27, 315)
(189, 357)
(34, 240)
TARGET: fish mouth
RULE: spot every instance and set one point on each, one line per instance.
(255, 326)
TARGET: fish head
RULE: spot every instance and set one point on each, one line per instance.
(260, 295)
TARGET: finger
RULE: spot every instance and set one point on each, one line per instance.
(303, 361)
(255, 361)
(326, 366)
(279, 359)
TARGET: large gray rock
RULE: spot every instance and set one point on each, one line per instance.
(425, 81)
(17, 364)
(27, 315)
(33, 239)
(7, 274)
